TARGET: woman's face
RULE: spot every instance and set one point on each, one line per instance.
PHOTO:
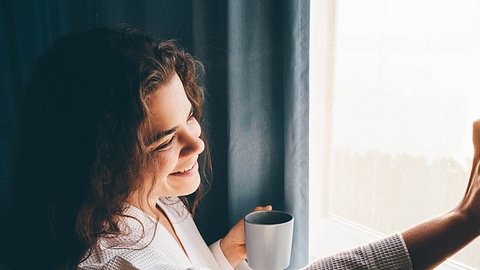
(173, 141)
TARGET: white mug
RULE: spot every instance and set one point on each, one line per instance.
(268, 236)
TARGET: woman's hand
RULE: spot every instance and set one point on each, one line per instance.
(469, 207)
(233, 244)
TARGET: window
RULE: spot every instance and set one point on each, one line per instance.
(394, 89)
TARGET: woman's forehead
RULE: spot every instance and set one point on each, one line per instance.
(168, 104)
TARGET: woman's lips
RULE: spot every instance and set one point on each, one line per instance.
(192, 171)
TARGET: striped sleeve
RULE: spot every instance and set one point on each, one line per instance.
(388, 253)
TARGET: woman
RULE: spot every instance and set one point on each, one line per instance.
(107, 172)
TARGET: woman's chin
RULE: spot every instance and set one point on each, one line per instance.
(184, 187)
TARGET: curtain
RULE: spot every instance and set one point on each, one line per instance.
(256, 58)
(256, 55)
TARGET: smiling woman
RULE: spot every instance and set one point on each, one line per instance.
(112, 139)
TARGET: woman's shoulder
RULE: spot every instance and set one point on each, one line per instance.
(140, 238)
(132, 244)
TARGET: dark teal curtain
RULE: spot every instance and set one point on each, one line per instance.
(256, 57)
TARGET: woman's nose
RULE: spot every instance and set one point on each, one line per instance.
(193, 144)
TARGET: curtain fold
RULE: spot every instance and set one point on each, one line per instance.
(256, 57)
(296, 101)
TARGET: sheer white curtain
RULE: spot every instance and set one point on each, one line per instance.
(394, 88)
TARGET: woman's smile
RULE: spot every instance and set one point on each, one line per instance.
(190, 170)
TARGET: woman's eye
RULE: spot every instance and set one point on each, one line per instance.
(165, 145)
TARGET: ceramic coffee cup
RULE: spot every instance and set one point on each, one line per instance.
(269, 239)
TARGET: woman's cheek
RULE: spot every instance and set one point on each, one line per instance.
(165, 162)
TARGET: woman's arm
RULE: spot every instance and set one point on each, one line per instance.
(432, 242)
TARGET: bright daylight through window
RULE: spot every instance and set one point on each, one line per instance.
(394, 89)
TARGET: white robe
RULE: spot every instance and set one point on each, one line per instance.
(157, 249)
(160, 251)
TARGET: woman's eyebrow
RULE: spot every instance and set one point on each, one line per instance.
(159, 135)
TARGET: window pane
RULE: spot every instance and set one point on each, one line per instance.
(406, 91)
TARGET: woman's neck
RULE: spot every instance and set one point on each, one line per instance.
(149, 206)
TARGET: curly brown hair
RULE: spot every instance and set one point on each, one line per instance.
(81, 152)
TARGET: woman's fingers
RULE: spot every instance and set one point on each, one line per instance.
(470, 205)
(476, 137)
(263, 208)
(476, 155)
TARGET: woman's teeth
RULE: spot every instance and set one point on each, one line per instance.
(187, 169)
